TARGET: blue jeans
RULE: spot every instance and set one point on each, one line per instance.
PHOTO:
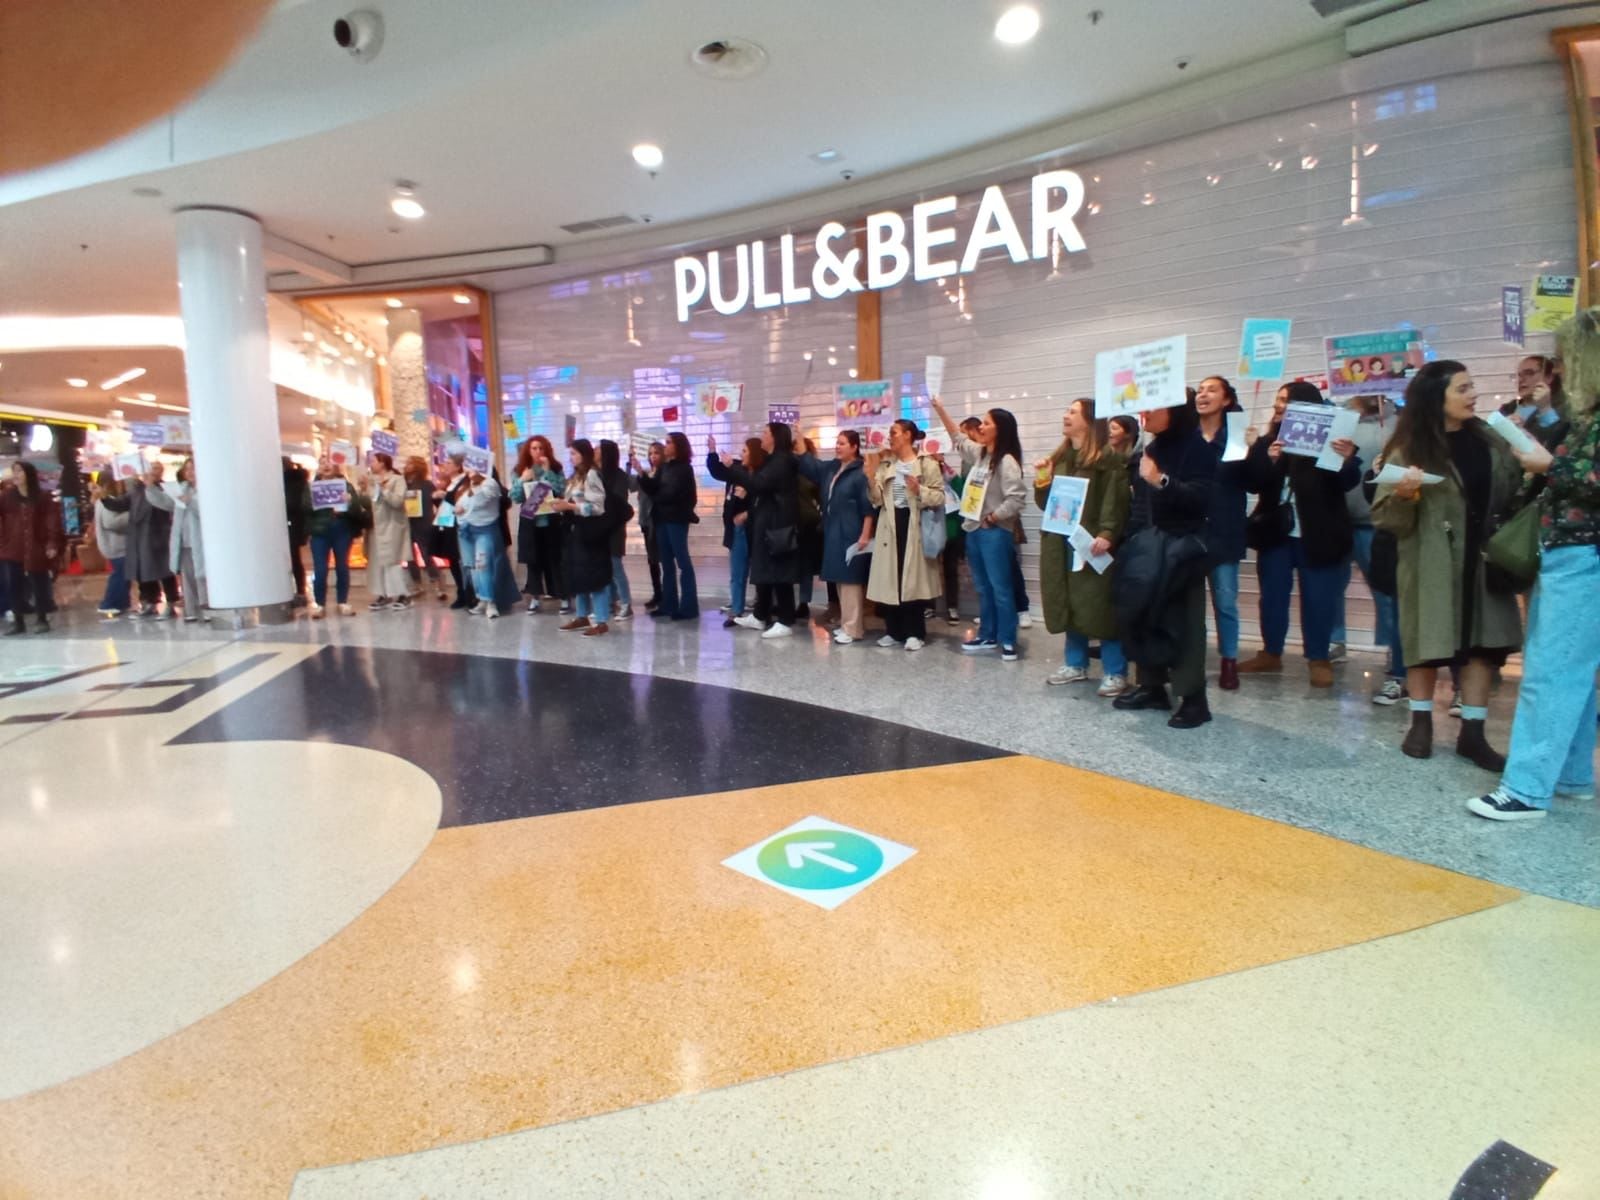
(738, 570)
(619, 583)
(1112, 659)
(1386, 607)
(595, 605)
(481, 550)
(336, 542)
(992, 556)
(1552, 737)
(116, 597)
(678, 595)
(1225, 607)
(1319, 598)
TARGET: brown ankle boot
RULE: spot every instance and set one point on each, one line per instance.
(1474, 747)
(1261, 663)
(1419, 738)
(1321, 673)
(1229, 678)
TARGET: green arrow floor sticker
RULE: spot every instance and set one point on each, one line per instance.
(820, 861)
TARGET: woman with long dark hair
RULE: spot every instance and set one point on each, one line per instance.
(586, 549)
(1301, 529)
(992, 459)
(735, 521)
(1449, 616)
(848, 518)
(1078, 599)
(1217, 403)
(1161, 586)
(538, 528)
(903, 581)
(618, 513)
(673, 493)
(31, 544)
(773, 529)
(419, 516)
(647, 521)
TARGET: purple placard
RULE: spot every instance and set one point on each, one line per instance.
(330, 493)
(783, 414)
(1511, 327)
(537, 494)
(384, 442)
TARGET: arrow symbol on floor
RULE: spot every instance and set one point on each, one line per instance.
(798, 852)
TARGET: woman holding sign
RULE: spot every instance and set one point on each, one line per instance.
(1222, 423)
(1300, 528)
(332, 522)
(903, 579)
(1077, 598)
(1448, 614)
(389, 545)
(537, 483)
(991, 504)
(847, 526)
(773, 530)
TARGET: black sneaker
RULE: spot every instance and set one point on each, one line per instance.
(1008, 652)
(1498, 806)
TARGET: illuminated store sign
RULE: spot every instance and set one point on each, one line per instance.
(889, 253)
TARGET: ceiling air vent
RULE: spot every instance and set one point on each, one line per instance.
(599, 223)
(1330, 8)
(729, 59)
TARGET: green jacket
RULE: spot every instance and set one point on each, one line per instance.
(1432, 566)
(1081, 600)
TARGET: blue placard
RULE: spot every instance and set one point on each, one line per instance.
(147, 433)
(1264, 347)
(384, 442)
(1511, 326)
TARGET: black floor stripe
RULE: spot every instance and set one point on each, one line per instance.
(1503, 1172)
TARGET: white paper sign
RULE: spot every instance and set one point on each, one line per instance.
(1064, 505)
(127, 466)
(1518, 439)
(478, 461)
(1393, 475)
(1141, 378)
(1082, 542)
(1236, 449)
(1342, 429)
(933, 374)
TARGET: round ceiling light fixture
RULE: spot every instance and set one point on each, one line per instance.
(1017, 25)
(648, 155)
(404, 202)
(393, 302)
(461, 298)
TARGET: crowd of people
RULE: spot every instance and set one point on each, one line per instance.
(1418, 501)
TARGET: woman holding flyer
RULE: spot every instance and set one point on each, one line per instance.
(1077, 597)
(332, 523)
(1222, 426)
(538, 482)
(735, 522)
(586, 548)
(1300, 528)
(1448, 614)
(847, 520)
(991, 503)
(902, 580)
(419, 516)
(389, 544)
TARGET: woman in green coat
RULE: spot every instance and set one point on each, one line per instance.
(1078, 602)
(1448, 615)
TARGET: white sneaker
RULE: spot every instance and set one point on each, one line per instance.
(1392, 692)
(1063, 675)
(913, 643)
(724, 608)
(317, 612)
(346, 610)
(478, 609)
(748, 621)
(1455, 706)
(494, 611)
(778, 630)
(533, 607)
(1024, 620)
(842, 638)
(1338, 652)
(1112, 685)
(886, 641)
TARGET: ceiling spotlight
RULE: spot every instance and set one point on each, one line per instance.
(461, 298)
(1275, 165)
(1147, 199)
(382, 361)
(832, 361)
(404, 202)
(118, 380)
(1094, 207)
(371, 353)
(1213, 180)
(1309, 162)
(77, 383)
(852, 372)
(806, 356)
(827, 156)
(349, 338)
(393, 302)
(147, 396)
(1017, 25)
(648, 155)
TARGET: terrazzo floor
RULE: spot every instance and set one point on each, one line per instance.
(412, 904)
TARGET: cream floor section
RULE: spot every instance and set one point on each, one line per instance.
(145, 886)
(1381, 1070)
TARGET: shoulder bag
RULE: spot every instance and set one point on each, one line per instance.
(1511, 555)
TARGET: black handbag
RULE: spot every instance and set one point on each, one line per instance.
(1383, 573)
(781, 541)
(1269, 524)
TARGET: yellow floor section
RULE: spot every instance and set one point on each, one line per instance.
(530, 972)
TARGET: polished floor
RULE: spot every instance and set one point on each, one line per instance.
(412, 904)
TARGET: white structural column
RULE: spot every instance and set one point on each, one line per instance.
(233, 408)
(408, 382)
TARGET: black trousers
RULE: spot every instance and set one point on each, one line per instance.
(150, 590)
(1188, 674)
(30, 591)
(954, 551)
(774, 602)
(297, 564)
(910, 618)
(544, 572)
(653, 555)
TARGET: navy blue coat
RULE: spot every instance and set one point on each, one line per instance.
(845, 506)
(1229, 504)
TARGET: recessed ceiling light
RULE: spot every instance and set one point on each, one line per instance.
(392, 302)
(1017, 25)
(461, 298)
(147, 396)
(827, 156)
(77, 383)
(118, 380)
(404, 202)
(648, 155)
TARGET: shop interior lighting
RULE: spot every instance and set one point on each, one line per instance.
(404, 202)
(146, 396)
(1309, 162)
(78, 383)
(1017, 25)
(393, 302)
(1094, 207)
(648, 155)
(117, 381)
(461, 298)
(1147, 199)
(139, 400)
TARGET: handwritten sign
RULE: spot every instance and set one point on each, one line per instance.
(385, 442)
(718, 399)
(1263, 347)
(330, 493)
(1141, 378)
(640, 441)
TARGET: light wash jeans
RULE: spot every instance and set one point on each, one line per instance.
(1552, 737)
(1112, 660)
(738, 570)
(1388, 610)
(481, 548)
(991, 555)
(619, 582)
(1225, 607)
(594, 605)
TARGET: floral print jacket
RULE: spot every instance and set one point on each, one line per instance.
(1569, 512)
